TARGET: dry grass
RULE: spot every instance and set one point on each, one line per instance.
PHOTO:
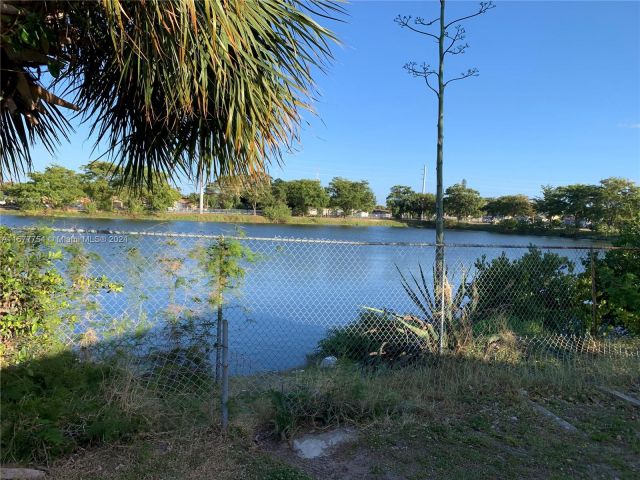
(193, 455)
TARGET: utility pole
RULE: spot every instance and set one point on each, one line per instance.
(201, 185)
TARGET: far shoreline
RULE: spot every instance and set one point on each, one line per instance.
(311, 221)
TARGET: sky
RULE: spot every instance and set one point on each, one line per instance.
(557, 101)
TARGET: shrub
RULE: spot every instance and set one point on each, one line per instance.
(91, 207)
(278, 213)
(617, 284)
(357, 340)
(32, 291)
(509, 223)
(381, 336)
(34, 295)
(535, 287)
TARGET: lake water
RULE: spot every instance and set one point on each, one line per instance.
(295, 291)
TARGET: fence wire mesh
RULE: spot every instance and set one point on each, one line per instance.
(300, 303)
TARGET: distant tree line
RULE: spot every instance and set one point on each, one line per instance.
(606, 206)
(100, 186)
(298, 197)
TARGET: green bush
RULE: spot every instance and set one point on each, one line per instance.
(535, 287)
(278, 213)
(380, 337)
(509, 224)
(617, 284)
(357, 340)
(32, 291)
(34, 294)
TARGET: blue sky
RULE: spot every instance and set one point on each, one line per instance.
(557, 100)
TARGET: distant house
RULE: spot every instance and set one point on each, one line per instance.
(380, 213)
(324, 212)
(117, 204)
(570, 221)
(81, 204)
(360, 214)
(183, 205)
(317, 212)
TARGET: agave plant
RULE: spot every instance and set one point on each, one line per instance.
(439, 305)
(400, 336)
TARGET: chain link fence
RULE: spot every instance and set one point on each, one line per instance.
(291, 304)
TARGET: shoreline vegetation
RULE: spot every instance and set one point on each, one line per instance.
(324, 221)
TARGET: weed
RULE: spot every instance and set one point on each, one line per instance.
(53, 407)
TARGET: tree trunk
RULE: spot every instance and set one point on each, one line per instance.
(439, 150)
(439, 267)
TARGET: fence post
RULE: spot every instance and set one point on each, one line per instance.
(224, 397)
(220, 316)
(442, 287)
(594, 305)
(219, 342)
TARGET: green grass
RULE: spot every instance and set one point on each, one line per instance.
(502, 437)
(214, 217)
(54, 406)
(57, 404)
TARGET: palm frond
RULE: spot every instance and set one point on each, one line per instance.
(207, 87)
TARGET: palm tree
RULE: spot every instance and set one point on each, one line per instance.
(210, 87)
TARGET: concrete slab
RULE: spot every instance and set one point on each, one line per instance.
(20, 473)
(562, 423)
(623, 396)
(314, 445)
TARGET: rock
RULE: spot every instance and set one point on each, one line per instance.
(20, 473)
(318, 444)
(328, 362)
(562, 423)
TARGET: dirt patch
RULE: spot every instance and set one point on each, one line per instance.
(349, 461)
